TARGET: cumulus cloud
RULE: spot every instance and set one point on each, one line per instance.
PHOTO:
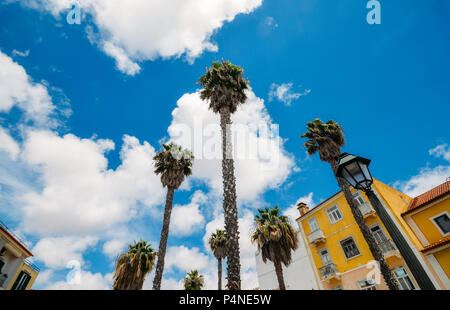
(113, 248)
(261, 163)
(442, 150)
(8, 144)
(428, 177)
(81, 195)
(87, 281)
(139, 30)
(284, 93)
(18, 89)
(57, 252)
(186, 219)
(185, 259)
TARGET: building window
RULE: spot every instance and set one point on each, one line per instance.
(313, 225)
(22, 281)
(443, 222)
(334, 214)
(349, 247)
(367, 285)
(404, 279)
(359, 199)
(325, 256)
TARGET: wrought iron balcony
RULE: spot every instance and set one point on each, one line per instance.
(367, 210)
(316, 236)
(329, 272)
(31, 265)
(388, 248)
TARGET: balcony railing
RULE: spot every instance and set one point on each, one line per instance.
(316, 236)
(366, 210)
(388, 248)
(31, 265)
(329, 271)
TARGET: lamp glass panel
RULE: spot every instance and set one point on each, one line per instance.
(354, 170)
(348, 177)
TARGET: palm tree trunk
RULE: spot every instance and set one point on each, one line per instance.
(280, 277)
(163, 240)
(229, 203)
(389, 278)
(219, 271)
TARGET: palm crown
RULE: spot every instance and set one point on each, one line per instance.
(274, 236)
(217, 242)
(224, 85)
(326, 138)
(193, 281)
(173, 163)
(133, 266)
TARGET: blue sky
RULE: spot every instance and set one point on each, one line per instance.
(102, 95)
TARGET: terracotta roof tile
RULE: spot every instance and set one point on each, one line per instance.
(431, 195)
(437, 244)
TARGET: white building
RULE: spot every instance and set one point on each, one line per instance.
(298, 276)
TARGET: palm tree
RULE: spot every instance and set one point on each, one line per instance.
(327, 139)
(276, 239)
(217, 242)
(133, 266)
(173, 164)
(193, 281)
(224, 87)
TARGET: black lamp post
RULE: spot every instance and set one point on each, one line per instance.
(355, 170)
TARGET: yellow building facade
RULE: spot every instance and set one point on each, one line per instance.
(428, 217)
(338, 252)
(16, 271)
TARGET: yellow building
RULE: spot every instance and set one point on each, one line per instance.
(16, 271)
(338, 251)
(428, 217)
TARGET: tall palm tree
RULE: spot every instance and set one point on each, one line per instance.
(193, 281)
(224, 87)
(217, 242)
(276, 239)
(133, 266)
(173, 164)
(327, 139)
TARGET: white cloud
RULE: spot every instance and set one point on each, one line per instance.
(284, 93)
(442, 150)
(123, 62)
(17, 89)
(428, 177)
(56, 253)
(185, 259)
(80, 194)
(88, 281)
(187, 219)
(113, 248)
(138, 30)
(261, 163)
(8, 144)
(292, 211)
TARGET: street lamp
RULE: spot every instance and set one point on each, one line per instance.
(355, 170)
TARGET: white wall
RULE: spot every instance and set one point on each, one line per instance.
(298, 276)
